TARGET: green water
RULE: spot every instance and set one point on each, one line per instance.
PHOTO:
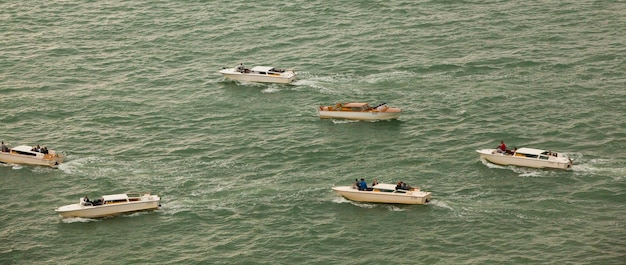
(129, 91)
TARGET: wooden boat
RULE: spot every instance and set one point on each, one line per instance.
(527, 157)
(359, 111)
(261, 74)
(384, 193)
(24, 154)
(109, 205)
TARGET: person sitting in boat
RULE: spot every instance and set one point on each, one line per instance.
(375, 182)
(86, 201)
(44, 150)
(36, 148)
(362, 185)
(402, 186)
(4, 147)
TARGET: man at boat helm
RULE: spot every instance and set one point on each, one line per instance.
(362, 185)
(502, 147)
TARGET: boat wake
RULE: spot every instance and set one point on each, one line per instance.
(271, 89)
(599, 166)
(358, 204)
(14, 166)
(529, 174)
(74, 165)
(491, 165)
(441, 204)
(343, 121)
(363, 204)
(78, 220)
(312, 84)
(340, 200)
(395, 208)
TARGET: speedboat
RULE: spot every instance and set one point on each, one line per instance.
(359, 111)
(526, 157)
(24, 154)
(110, 205)
(384, 193)
(261, 74)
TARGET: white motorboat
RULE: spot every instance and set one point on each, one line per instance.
(261, 74)
(384, 193)
(359, 111)
(527, 157)
(109, 205)
(27, 155)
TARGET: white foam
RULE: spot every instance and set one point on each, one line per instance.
(343, 121)
(271, 89)
(78, 220)
(441, 204)
(72, 165)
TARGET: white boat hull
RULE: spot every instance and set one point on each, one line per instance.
(89, 211)
(511, 160)
(283, 78)
(351, 115)
(48, 160)
(410, 197)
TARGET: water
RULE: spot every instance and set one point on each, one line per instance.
(130, 93)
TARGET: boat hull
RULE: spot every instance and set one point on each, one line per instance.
(350, 115)
(77, 210)
(284, 78)
(410, 197)
(48, 160)
(512, 160)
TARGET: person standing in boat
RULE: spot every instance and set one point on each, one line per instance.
(240, 68)
(4, 147)
(356, 184)
(502, 147)
(362, 185)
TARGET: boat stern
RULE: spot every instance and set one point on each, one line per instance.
(290, 75)
(428, 197)
(567, 163)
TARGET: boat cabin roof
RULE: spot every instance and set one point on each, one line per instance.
(354, 105)
(115, 197)
(262, 69)
(530, 151)
(385, 186)
(23, 148)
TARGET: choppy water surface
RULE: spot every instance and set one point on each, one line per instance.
(130, 92)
